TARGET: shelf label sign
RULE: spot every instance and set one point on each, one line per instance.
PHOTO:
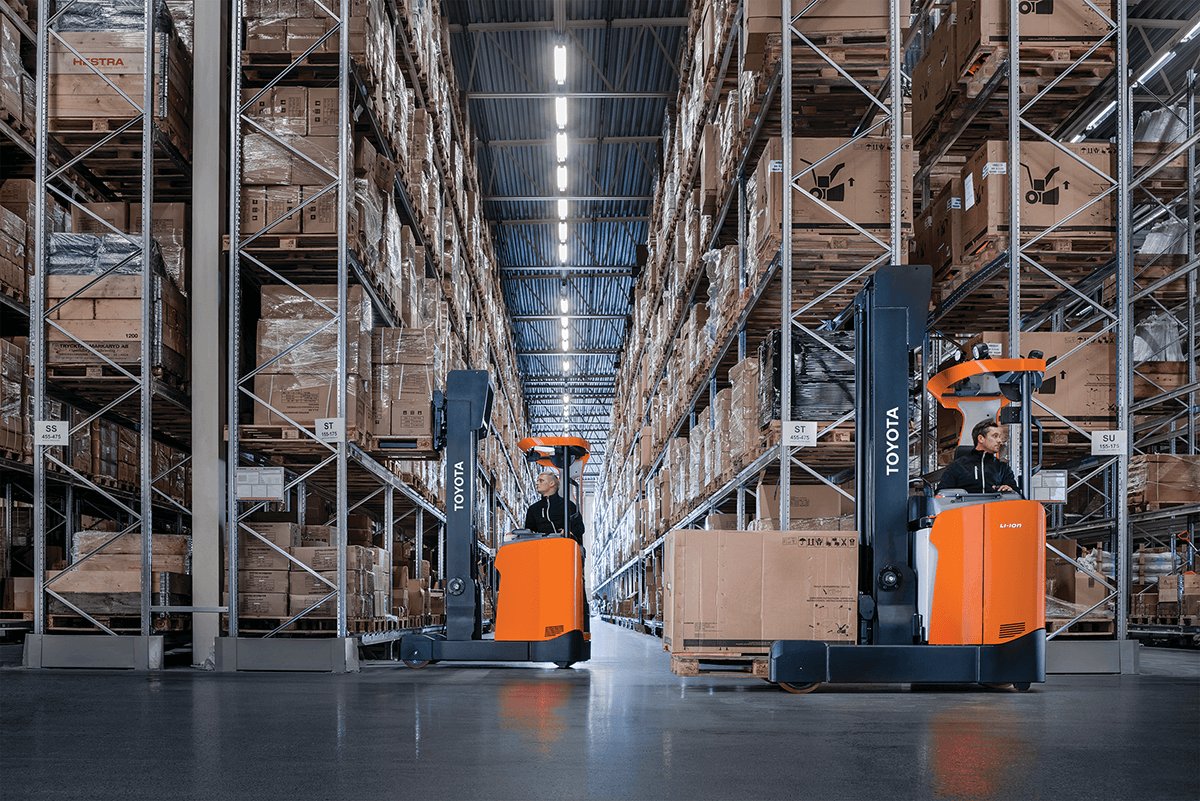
(801, 434)
(1109, 443)
(331, 429)
(52, 432)
(260, 484)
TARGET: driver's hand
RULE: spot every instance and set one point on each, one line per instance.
(1004, 488)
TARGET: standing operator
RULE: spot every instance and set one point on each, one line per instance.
(546, 515)
(981, 470)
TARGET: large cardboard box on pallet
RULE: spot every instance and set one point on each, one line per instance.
(1164, 479)
(938, 235)
(1080, 382)
(856, 183)
(982, 25)
(12, 383)
(804, 501)
(1054, 186)
(761, 19)
(935, 75)
(739, 591)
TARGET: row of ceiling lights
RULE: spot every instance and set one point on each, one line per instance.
(560, 152)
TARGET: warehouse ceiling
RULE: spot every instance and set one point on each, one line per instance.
(621, 60)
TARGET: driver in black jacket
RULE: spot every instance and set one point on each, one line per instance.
(546, 516)
(981, 470)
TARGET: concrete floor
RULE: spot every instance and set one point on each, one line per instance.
(619, 727)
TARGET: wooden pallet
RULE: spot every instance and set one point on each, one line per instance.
(121, 624)
(288, 439)
(17, 615)
(15, 292)
(403, 447)
(122, 155)
(314, 626)
(688, 664)
(1087, 627)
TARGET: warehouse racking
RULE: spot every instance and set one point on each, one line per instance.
(391, 484)
(1016, 286)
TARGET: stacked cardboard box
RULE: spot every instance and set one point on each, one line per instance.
(107, 313)
(14, 280)
(108, 577)
(100, 36)
(972, 31)
(1157, 480)
(1055, 189)
(856, 182)
(168, 227)
(301, 383)
(13, 357)
(737, 592)
(402, 382)
(808, 503)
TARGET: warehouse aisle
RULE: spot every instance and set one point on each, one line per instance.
(621, 727)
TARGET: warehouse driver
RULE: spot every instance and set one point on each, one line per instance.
(981, 470)
(546, 515)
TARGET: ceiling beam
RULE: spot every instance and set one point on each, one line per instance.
(531, 26)
(592, 140)
(570, 95)
(572, 198)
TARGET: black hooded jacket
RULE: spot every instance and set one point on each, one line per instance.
(977, 471)
(546, 517)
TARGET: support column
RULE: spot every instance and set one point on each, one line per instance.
(210, 59)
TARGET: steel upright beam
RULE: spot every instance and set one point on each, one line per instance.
(37, 313)
(1124, 145)
(785, 276)
(1014, 210)
(345, 184)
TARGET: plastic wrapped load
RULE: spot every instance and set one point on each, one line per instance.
(101, 276)
(13, 356)
(822, 379)
(110, 15)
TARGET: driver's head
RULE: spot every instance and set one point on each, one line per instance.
(990, 437)
(547, 484)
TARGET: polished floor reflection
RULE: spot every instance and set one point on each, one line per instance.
(619, 727)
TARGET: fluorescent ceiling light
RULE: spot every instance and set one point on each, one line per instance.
(566, 346)
(560, 111)
(566, 398)
(560, 63)
(562, 253)
(562, 208)
(1099, 118)
(1187, 37)
(562, 232)
(564, 305)
(566, 365)
(562, 177)
(565, 321)
(560, 145)
(1155, 67)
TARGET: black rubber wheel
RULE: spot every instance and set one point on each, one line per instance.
(416, 664)
(1021, 686)
(564, 665)
(1007, 687)
(798, 689)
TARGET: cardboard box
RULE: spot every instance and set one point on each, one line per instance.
(260, 556)
(855, 182)
(301, 582)
(984, 23)
(262, 604)
(281, 203)
(285, 535)
(1089, 591)
(1080, 382)
(738, 591)
(254, 209)
(323, 112)
(805, 500)
(319, 216)
(308, 398)
(319, 559)
(1054, 186)
(1166, 479)
(262, 581)
(115, 214)
(935, 75)
(316, 536)
(282, 110)
(402, 400)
